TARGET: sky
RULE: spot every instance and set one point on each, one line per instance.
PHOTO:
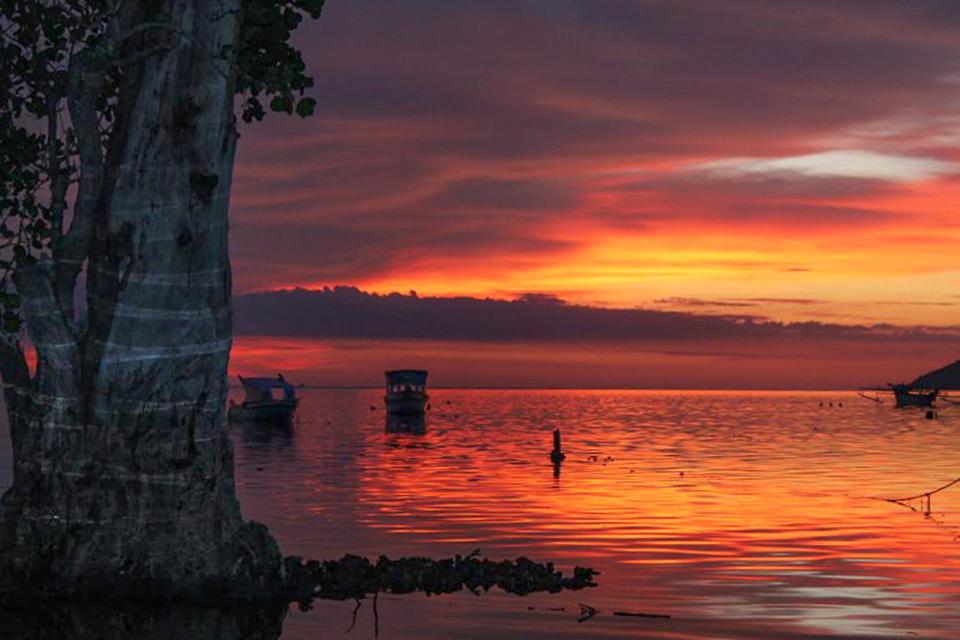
(782, 161)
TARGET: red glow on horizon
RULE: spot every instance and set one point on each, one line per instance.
(676, 365)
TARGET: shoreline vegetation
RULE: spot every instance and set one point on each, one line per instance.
(356, 577)
(351, 577)
(28, 616)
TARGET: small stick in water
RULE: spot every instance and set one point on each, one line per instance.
(641, 615)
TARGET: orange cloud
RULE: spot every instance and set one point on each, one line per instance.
(601, 154)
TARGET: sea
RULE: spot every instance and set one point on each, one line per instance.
(727, 514)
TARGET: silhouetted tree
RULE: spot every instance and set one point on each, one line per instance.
(118, 124)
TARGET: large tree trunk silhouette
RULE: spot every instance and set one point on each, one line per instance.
(123, 472)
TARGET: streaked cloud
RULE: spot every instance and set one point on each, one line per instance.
(841, 164)
(618, 151)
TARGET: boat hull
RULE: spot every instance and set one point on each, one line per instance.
(406, 404)
(281, 412)
(411, 424)
(907, 399)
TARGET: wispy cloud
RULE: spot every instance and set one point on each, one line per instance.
(620, 149)
(839, 163)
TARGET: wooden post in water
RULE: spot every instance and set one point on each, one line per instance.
(557, 455)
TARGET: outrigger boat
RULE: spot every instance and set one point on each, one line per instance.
(270, 400)
(406, 392)
(905, 395)
(925, 390)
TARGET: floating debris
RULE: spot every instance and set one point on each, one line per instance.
(631, 614)
(354, 577)
(586, 612)
(921, 496)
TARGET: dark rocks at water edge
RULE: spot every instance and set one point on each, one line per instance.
(356, 576)
(142, 621)
(298, 581)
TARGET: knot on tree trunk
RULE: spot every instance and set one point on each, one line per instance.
(204, 184)
(120, 248)
(184, 238)
(185, 114)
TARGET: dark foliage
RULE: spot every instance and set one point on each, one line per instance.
(63, 59)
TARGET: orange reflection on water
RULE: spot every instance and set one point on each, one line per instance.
(736, 512)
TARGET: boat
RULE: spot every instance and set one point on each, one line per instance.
(905, 395)
(909, 396)
(924, 390)
(406, 392)
(269, 400)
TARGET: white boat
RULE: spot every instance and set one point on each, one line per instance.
(272, 400)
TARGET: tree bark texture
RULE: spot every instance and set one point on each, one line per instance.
(123, 472)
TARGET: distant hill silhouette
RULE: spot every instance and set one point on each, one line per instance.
(348, 312)
(946, 378)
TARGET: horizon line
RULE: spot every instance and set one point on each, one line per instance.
(555, 388)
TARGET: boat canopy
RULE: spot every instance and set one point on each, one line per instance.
(946, 379)
(406, 379)
(261, 389)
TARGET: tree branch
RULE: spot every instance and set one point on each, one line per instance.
(56, 169)
(72, 248)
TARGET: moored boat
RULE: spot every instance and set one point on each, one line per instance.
(406, 392)
(907, 396)
(269, 400)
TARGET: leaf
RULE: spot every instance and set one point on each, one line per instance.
(305, 107)
(253, 110)
(282, 103)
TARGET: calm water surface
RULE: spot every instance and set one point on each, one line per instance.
(741, 515)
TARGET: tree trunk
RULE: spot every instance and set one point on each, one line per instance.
(123, 471)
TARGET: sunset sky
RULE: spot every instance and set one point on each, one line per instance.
(765, 158)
